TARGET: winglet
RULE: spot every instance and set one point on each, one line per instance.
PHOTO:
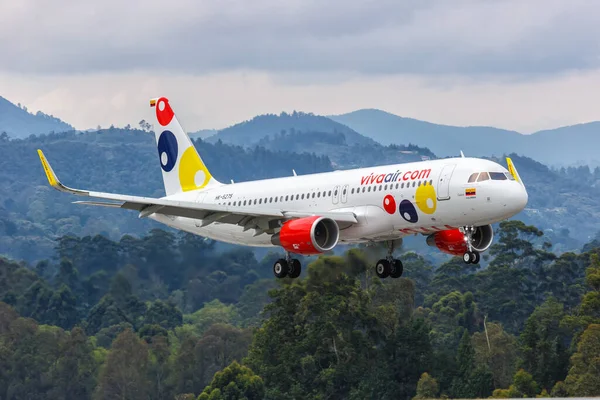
(53, 179)
(513, 170)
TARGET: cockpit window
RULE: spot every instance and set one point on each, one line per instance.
(484, 176)
(509, 176)
(497, 176)
(473, 177)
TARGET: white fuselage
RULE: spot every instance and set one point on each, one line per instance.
(389, 201)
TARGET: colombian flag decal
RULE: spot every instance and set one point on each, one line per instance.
(471, 192)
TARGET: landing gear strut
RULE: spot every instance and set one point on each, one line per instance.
(287, 266)
(389, 266)
(471, 256)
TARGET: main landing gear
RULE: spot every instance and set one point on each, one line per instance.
(471, 256)
(389, 266)
(287, 266)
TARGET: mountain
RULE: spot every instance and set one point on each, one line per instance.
(17, 122)
(203, 133)
(249, 133)
(570, 145)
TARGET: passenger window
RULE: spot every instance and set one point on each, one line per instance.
(397, 186)
(402, 187)
(330, 193)
(473, 177)
(352, 191)
(380, 188)
(318, 194)
(259, 201)
(313, 196)
(302, 197)
(484, 176)
(364, 189)
(335, 193)
(385, 187)
(344, 192)
(497, 176)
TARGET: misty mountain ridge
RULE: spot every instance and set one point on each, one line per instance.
(18, 122)
(251, 132)
(563, 146)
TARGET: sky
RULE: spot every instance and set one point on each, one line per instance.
(524, 65)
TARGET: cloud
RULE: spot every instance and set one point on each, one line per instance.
(347, 37)
(220, 99)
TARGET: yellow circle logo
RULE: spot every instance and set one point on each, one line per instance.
(426, 199)
(193, 174)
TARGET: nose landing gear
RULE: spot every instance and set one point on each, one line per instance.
(471, 256)
(389, 266)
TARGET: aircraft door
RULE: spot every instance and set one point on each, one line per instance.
(443, 184)
(345, 193)
(336, 195)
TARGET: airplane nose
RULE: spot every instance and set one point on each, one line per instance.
(516, 198)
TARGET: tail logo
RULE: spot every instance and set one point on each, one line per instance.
(167, 150)
(173, 144)
(164, 112)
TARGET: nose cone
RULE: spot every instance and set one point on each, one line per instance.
(516, 198)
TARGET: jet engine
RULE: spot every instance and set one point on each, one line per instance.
(455, 242)
(309, 235)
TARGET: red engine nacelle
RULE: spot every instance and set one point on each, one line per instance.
(454, 242)
(309, 235)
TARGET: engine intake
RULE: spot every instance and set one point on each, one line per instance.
(454, 242)
(309, 235)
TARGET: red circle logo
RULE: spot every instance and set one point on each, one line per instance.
(389, 204)
(164, 112)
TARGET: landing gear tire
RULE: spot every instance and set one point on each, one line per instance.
(467, 257)
(294, 268)
(396, 269)
(280, 268)
(471, 257)
(382, 268)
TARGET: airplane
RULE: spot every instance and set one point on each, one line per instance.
(451, 201)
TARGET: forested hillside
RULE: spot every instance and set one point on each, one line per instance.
(17, 122)
(159, 317)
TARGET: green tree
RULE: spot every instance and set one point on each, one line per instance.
(236, 382)
(125, 373)
(544, 344)
(427, 387)
(74, 373)
(499, 355)
(583, 379)
(523, 386)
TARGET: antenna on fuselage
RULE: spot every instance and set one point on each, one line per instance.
(232, 181)
(294, 171)
(462, 154)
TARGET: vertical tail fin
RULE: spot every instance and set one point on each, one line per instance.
(182, 168)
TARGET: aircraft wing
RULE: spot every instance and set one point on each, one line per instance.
(249, 217)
